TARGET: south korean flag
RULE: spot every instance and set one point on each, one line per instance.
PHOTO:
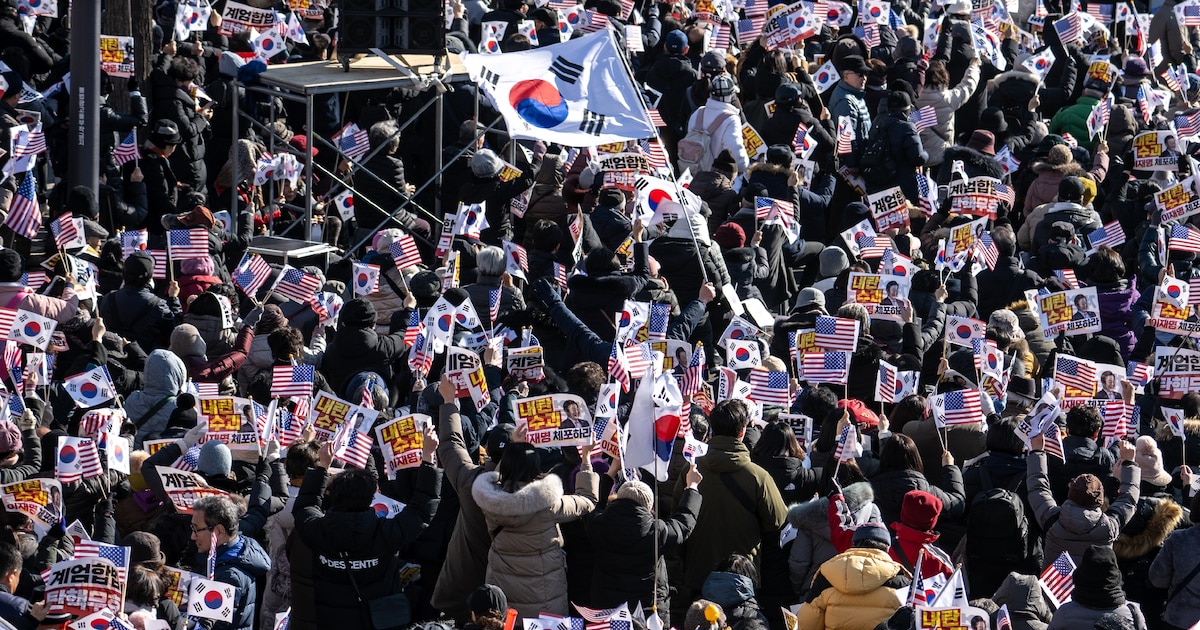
(210, 599)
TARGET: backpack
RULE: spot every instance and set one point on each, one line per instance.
(997, 530)
(695, 149)
(875, 160)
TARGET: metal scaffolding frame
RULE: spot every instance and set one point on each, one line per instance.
(302, 82)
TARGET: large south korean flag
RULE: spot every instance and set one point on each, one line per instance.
(576, 93)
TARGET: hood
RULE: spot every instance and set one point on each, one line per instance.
(1191, 427)
(229, 64)
(550, 174)
(164, 374)
(727, 590)
(515, 508)
(709, 184)
(1020, 75)
(1023, 596)
(766, 168)
(860, 571)
(1078, 520)
(814, 514)
(1070, 168)
(1154, 520)
(358, 313)
(245, 555)
(725, 454)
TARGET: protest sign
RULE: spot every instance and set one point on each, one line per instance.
(1167, 317)
(84, 586)
(400, 441)
(881, 295)
(753, 141)
(964, 618)
(239, 17)
(38, 499)
(962, 238)
(1073, 312)
(226, 422)
(977, 196)
(1177, 202)
(677, 354)
(465, 370)
(802, 426)
(329, 413)
(185, 488)
(1155, 151)
(609, 440)
(525, 364)
(889, 208)
(177, 585)
(116, 55)
(554, 420)
(1178, 371)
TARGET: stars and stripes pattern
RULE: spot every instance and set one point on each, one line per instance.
(826, 367)
(251, 273)
(1102, 12)
(638, 357)
(618, 368)
(656, 325)
(352, 141)
(186, 244)
(77, 459)
(1072, 372)
(888, 383)
(1114, 413)
(802, 144)
(404, 252)
(1110, 234)
(1184, 239)
(1069, 28)
(1053, 444)
(160, 263)
(718, 39)
(1139, 373)
(836, 333)
(693, 376)
(1188, 14)
(924, 118)
(848, 446)
(127, 151)
(958, 407)
(67, 231)
(770, 387)
(845, 136)
(987, 249)
(115, 554)
(1056, 579)
(416, 326)
(292, 380)
(1187, 125)
(873, 245)
(297, 285)
(351, 446)
(189, 461)
(494, 305)
(24, 215)
(656, 156)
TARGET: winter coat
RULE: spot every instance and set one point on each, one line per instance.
(946, 101)
(964, 441)
(480, 292)
(164, 377)
(1026, 602)
(795, 482)
(1154, 519)
(497, 197)
(734, 593)
(907, 544)
(374, 200)
(1082, 218)
(745, 265)
(812, 545)
(1071, 527)
(1165, 28)
(890, 487)
(1005, 284)
(597, 299)
(680, 265)
(671, 75)
(546, 199)
(855, 590)
(190, 286)
(217, 339)
(851, 103)
(627, 532)
(726, 525)
(1044, 188)
(386, 301)
(1073, 120)
(368, 544)
(240, 563)
(139, 315)
(727, 136)
(14, 295)
(466, 555)
(526, 559)
(355, 350)
(1180, 556)
(1116, 314)
(1075, 615)
(277, 593)
(906, 152)
(188, 159)
(717, 191)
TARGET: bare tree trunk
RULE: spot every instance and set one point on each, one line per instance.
(114, 20)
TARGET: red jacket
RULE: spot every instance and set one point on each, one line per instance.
(912, 541)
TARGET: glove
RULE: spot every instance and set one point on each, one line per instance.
(28, 421)
(133, 84)
(192, 437)
(272, 452)
(546, 291)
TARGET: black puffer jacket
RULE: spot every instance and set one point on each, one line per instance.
(356, 347)
(375, 201)
(368, 544)
(597, 299)
(890, 487)
(627, 532)
(975, 163)
(745, 265)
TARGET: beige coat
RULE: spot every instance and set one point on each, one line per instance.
(467, 553)
(526, 559)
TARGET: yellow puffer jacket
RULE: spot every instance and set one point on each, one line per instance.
(860, 591)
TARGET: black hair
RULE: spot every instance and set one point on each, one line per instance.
(729, 418)
(352, 490)
(519, 465)
(1084, 421)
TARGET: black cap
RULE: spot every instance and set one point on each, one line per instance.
(1070, 189)
(899, 101)
(498, 438)
(11, 265)
(855, 63)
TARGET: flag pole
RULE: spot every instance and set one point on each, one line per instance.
(670, 171)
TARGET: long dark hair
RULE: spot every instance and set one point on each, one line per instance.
(778, 440)
(899, 452)
(519, 465)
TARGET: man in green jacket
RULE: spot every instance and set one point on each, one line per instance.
(741, 506)
(1073, 119)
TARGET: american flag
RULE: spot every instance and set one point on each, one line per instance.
(404, 252)
(762, 207)
(1003, 622)
(160, 263)
(1056, 579)
(1111, 235)
(845, 136)
(595, 22)
(1187, 125)
(693, 376)
(924, 118)
(655, 118)
(618, 368)
(493, 305)
(1114, 413)
(638, 357)
(297, 285)
(1053, 444)
(560, 275)
(77, 458)
(606, 619)
(420, 353)
(987, 247)
(1098, 117)
(291, 424)
(1139, 373)
(67, 231)
(655, 154)
(869, 33)
(35, 143)
(958, 407)
(656, 325)
(927, 194)
(127, 150)
(888, 383)
(873, 245)
(770, 387)
(292, 380)
(115, 554)
(750, 28)
(1188, 14)
(1143, 104)
(848, 446)
(1102, 12)
(1069, 28)
(1176, 78)
(36, 279)
(1184, 239)
(184, 244)
(24, 215)
(517, 254)
(1067, 276)
(251, 273)
(352, 141)
(826, 367)
(836, 333)
(1072, 372)
(351, 446)
(189, 460)
(718, 39)
(801, 143)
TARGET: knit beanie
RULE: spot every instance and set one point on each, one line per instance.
(920, 510)
(637, 492)
(215, 459)
(11, 265)
(1149, 459)
(197, 266)
(725, 164)
(730, 236)
(833, 261)
(1086, 491)
(272, 319)
(184, 415)
(1097, 580)
(485, 163)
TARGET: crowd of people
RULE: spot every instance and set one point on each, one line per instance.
(917, 336)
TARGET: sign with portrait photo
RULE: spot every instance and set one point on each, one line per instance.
(1156, 151)
(554, 420)
(881, 295)
(1073, 312)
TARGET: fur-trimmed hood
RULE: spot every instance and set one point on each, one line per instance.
(767, 168)
(1191, 426)
(1154, 520)
(812, 515)
(1070, 168)
(515, 508)
(1021, 75)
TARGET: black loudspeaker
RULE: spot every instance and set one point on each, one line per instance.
(394, 26)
